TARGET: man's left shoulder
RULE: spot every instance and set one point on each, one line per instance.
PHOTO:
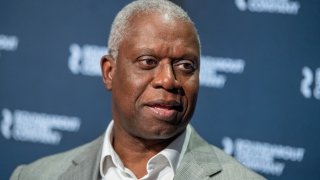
(215, 162)
(232, 168)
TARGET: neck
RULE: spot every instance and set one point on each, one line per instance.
(135, 152)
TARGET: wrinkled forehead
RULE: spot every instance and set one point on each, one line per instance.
(140, 22)
(159, 35)
(165, 17)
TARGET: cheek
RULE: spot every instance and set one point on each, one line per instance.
(191, 86)
(130, 86)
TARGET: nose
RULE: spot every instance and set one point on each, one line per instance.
(165, 78)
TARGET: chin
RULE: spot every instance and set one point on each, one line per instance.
(160, 134)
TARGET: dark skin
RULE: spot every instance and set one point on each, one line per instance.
(154, 83)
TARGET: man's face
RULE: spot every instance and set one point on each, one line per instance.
(155, 77)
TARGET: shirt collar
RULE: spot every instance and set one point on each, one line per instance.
(108, 152)
(173, 152)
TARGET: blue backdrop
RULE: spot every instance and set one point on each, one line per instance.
(260, 80)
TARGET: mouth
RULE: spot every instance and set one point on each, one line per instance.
(165, 110)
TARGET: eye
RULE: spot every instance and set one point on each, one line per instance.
(148, 62)
(187, 66)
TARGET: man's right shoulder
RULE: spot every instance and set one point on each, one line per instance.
(51, 167)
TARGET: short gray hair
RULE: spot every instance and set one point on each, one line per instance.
(119, 28)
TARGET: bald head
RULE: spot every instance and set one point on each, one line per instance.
(122, 23)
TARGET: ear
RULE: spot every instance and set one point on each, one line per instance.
(108, 67)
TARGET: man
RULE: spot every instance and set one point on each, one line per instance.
(152, 71)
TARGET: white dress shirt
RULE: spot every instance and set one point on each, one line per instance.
(162, 166)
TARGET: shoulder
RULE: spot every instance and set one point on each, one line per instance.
(50, 167)
(228, 167)
(232, 168)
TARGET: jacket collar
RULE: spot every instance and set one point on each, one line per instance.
(199, 161)
(85, 165)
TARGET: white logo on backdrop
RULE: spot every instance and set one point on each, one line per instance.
(8, 43)
(36, 127)
(260, 156)
(269, 6)
(212, 67)
(85, 60)
(309, 79)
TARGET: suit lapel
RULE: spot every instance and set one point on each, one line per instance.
(199, 160)
(86, 163)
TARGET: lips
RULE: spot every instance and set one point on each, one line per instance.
(164, 110)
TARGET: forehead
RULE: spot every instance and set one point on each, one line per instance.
(155, 29)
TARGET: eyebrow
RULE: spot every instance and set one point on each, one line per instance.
(149, 51)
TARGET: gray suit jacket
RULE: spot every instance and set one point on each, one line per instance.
(200, 161)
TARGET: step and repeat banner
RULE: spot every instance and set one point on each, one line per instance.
(260, 80)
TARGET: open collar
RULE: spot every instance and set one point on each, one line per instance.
(199, 160)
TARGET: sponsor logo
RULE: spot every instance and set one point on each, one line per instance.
(85, 60)
(36, 127)
(262, 156)
(8, 43)
(309, 79)
(212, 67)
(269, 6)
